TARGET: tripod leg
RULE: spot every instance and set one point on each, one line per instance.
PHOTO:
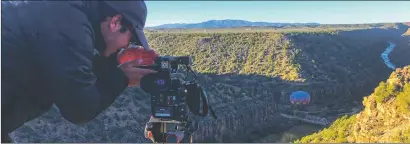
(187, 138)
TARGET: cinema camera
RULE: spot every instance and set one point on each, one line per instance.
(176, 102)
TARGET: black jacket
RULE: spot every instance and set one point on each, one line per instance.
(49, 54)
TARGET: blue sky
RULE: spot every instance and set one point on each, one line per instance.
(325, 12)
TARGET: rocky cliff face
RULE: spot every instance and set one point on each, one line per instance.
(389, 119)
(386, 117)
(248, 76)
(122, 122)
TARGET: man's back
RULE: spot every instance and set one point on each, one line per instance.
(23, 92)
(47, 56)
(50, 54)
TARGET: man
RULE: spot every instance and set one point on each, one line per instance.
(64, 53)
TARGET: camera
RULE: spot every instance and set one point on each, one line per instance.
(167, 93)
(171, 96)
(173, 100)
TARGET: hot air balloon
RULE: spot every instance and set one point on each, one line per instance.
(300, 98)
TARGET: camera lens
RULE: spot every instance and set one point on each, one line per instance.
(160, 82)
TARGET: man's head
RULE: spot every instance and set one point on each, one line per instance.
(122, 22)
(116, 33)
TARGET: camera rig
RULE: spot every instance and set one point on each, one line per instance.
(176, 102)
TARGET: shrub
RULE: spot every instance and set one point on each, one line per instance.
(384, 91)
(337, 132)
(403, 99)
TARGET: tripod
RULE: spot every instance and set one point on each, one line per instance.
(169, 131)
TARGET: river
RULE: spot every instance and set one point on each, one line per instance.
(385, 56)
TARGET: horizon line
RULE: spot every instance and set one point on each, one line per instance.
(282, 22)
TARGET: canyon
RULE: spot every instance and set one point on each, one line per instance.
(248, 76)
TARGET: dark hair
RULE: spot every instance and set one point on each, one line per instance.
(107, 11)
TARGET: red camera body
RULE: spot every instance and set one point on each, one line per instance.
(144, 57)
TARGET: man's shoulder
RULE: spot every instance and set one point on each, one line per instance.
(69, 18)
(30, 5)
(49, 20)
(37, 11)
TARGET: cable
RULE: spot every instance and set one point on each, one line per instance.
(189, 68)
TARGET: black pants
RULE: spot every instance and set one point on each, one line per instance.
(5, 138)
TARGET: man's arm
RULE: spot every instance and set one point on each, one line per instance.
(66, 55)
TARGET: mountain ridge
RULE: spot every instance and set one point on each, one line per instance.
(234, 23)
(226, 23)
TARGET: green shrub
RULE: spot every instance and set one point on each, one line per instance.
(262, 53)
(384, 91)
(403, 99)
(337, 132)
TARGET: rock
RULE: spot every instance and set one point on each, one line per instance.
(378, 122)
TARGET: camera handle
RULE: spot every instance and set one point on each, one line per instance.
(206, 107)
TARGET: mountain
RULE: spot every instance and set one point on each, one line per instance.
(229, 23)
(386, 117)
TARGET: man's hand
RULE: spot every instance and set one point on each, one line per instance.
(133, 73)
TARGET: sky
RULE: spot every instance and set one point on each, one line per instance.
(324, 12)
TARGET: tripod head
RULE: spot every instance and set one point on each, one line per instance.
(169, 131)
